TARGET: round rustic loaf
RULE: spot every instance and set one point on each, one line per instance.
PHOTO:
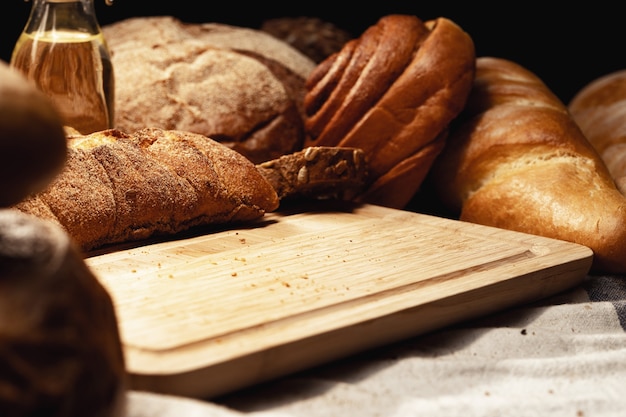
(60, 350)
(239, 86)
(32, 140)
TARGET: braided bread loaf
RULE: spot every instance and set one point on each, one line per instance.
(392, 92)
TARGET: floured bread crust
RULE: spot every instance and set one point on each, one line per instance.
(239, 86)
(118, 187)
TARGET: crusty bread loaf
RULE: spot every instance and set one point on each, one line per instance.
(239, 86)
(318, 173)
(118, 187)
(599, 108)
(60, 349)
(515, 159)
(32, 141)
(392, 92)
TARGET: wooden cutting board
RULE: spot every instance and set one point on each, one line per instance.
(202, 315)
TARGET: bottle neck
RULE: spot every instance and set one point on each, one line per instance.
(62, 15)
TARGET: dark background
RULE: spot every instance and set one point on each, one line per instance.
(567, 46)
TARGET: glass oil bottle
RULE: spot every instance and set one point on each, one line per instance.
(63, 51)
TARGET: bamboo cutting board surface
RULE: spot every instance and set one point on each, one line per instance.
(202, 315)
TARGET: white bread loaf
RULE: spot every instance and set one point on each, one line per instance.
(515, 159)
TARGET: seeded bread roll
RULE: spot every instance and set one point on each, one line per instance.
(60, 349)
(318, 173)
(118, 187)
(392, 92)
(239, 86)
(517, 160)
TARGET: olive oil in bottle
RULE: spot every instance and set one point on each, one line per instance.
(62, 50)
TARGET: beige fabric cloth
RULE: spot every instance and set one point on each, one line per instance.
(564, 356)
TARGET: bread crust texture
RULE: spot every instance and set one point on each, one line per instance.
(119, 187)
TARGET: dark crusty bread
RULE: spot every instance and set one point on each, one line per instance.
(314, 37)
(118, 187)
(60, 348)
(239, 86)
(599, 108)
(515, 159)
(392, 92)
(318, 172)
(32, 141)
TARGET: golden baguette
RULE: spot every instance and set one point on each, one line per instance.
(517, 160)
